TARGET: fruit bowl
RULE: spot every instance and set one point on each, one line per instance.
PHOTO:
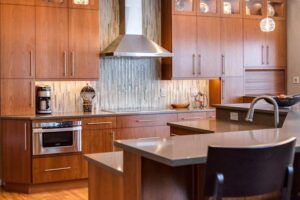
(286, 101)
(180, 105)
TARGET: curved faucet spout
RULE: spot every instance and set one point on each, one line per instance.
(250, 113)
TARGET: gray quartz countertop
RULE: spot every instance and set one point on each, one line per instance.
(106, 114)
(215, 126)
(112, 161)
(192, 149)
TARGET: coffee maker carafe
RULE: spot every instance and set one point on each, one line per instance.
(43, 100)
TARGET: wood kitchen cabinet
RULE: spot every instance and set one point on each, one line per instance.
(208, 46)
(208, 7)
(84, 44)
(18, 2)
(17, 41)
(67, 43)
(264, 49)
(16, 151)
(232, 44)
(17, 97)
(184, 46)
(185, 7)
(231, 8)
(52, 43)
(85, 4)
(263, 8)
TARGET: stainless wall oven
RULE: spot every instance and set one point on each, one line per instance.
(56, 137)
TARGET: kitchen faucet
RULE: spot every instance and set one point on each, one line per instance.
(250, 113)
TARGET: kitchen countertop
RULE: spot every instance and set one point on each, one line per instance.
(107, 114)
(112, 161)
(192, 149)
(216, 126)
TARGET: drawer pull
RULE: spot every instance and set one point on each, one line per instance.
(140, 121)
(189, 118)
(99, 123)
(57, 169)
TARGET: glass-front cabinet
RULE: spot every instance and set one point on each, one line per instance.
(264, 8)
(231, 8)
(208, 7)
(184, 6)
(88, 4)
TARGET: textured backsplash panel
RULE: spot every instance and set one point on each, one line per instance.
(126, 82)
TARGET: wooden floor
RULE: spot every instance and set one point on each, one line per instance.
(75, 194)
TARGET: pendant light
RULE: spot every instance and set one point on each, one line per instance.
(267, 24)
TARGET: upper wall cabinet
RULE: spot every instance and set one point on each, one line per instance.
(86, 4)
(52, 3)
(67, 43)
(17, 41)
(18, 2)
(186, 7)
(208, 7)
(264, 8)
(231, 8)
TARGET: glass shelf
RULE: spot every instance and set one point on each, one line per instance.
(184, 5)
(231, 7)
(254, 8)
(208, 7)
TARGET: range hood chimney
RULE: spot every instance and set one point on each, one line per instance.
(132, 42)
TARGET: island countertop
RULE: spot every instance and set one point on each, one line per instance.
(192, 149)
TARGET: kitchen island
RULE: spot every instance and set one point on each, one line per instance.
(175, 166)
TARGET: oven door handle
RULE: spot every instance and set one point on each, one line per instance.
(40, 130)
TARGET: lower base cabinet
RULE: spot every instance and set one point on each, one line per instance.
(143, 132)
(56, 168)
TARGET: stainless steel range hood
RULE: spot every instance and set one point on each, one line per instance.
(132, 42)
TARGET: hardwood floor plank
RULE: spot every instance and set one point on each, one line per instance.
(75, 194)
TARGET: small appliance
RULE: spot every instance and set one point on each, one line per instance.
(43, 100)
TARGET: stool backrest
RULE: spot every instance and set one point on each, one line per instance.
(249, 171)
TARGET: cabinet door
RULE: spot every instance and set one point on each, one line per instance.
(51, 42)
(52, 3)
(255, 8)
(16, 145)
(208, 7)
(97, 141)
(232, 90)
(84, 45)
(17, 41)
(184, 46)
(277, 46)
(254, 44)
(232, 47)
(143, 132)
(209, 44)
(86, 4)
(19, 2)
(186, 7)
(17, 97)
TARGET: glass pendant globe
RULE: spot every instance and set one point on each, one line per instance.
(267, 25)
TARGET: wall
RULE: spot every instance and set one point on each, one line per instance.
(293, 44)
(126, 82)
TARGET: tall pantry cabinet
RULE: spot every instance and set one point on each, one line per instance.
(45, 40)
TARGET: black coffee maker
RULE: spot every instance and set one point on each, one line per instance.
(43, 100)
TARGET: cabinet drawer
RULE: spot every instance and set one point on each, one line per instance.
(52, 3)
(56, 168)
(99, 123)
(191, 116)
(145, 120)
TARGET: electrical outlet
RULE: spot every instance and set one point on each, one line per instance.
(234, 116)
(296, 80)
(163, 92)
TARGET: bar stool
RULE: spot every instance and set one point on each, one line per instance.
(250, 171)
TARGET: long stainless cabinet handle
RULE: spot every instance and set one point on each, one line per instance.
(194, 60)
(223, 64)
(25, 136)
(267, 54)
(57, 169)
(188, 118)
(200, 64)
(145, 120)
(73, 63)
(99, 123)
(262, 54)
(65, 63)
(222, 89)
